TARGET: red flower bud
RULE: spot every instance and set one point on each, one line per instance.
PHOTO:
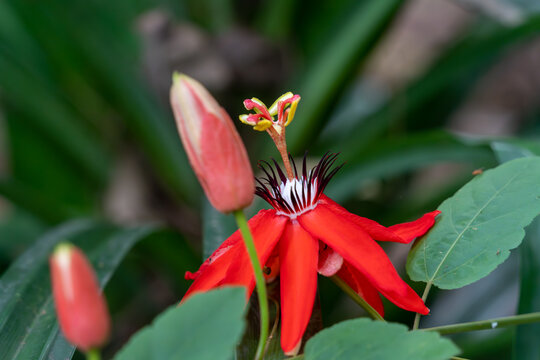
(213, 145)
(80, 306)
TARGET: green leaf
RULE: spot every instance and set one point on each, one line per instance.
(28, 327)
(525, 345)
(39, 204)
(507, 12)
(215, 15)
(514, 149)
(206, 326)
(337, 62)
(478, 226)
(461, 64)
(275, 19)
(85, 66)
(526, 336)
(18, 230)
(367, 339)
(247, 348)
(397, 156)
(138, 347)
(52, 120)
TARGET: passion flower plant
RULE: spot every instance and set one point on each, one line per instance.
(307, 233)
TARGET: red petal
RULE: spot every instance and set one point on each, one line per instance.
(411, 230)
(402, 233)
(213, 272)
(358, 282)
(358, 248)
(298, 252)
(265, 237)
(225, 247)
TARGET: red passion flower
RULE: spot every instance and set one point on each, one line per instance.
(307, 233)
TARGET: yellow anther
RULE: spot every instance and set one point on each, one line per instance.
(274, 108)
(244, 118)
(263, 125)
(290, 116)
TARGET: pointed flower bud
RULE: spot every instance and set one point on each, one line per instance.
(80, 306)
(213, 145)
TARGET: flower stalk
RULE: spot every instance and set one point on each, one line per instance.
(357, 298)
(486, 324)
(93, 354)
(259, 280)
(273, 120)
(424, 298)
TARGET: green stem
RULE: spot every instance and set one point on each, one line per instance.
(259, 280)
(486, 324)
(357, 298)
(274, 328)
(93, 354)
(424, 298)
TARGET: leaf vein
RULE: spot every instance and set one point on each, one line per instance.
(469, 224)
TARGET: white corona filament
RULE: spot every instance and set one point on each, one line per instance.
(300, 189)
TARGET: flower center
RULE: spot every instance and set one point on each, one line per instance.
(296, 194)
(292, 197)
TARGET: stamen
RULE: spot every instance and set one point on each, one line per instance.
(284, 109)
(292, 197)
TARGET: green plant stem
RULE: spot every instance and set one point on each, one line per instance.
(259, 280)
(93, 354)
(424, 298)
(356, 298)
(486, 324)
(274, 327)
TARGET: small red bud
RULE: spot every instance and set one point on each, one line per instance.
(213, 145)
(80, 306)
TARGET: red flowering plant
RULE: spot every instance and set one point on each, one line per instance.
(307, 233)
(303, 235)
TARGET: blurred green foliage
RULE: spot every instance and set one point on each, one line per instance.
(74, 100)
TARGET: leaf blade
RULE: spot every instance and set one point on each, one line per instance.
(367, 339)
(467, 59)
(185, 331)
(478, 226)
(336, 63)
(525, 345)
(28, 327)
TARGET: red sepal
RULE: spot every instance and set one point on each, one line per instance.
(402, 233)
(265, 237)
(298, 252)
(411, 230)
(220, 267)
(348, 239)
(358, 282)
